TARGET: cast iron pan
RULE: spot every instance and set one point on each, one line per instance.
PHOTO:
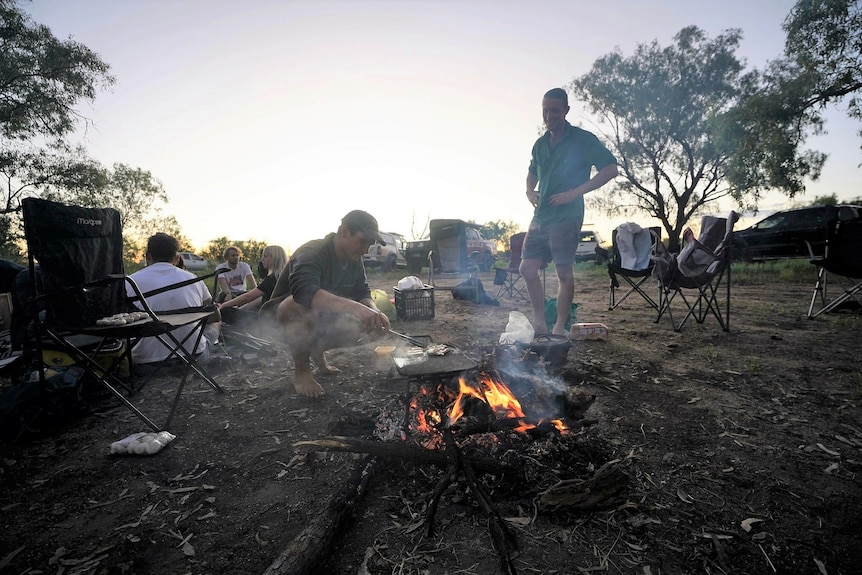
(452, 362)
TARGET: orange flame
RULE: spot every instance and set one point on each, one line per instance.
(495, 393)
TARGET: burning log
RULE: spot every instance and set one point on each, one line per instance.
(601, 491)
(306, 551)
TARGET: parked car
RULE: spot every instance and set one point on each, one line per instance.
(387, 257)
(784, 234)
(588, 241)
(474, 249)
(194, 262)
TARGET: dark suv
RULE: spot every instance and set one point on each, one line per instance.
(784, 234)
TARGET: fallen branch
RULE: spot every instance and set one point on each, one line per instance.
(404, 451)
(305, 553)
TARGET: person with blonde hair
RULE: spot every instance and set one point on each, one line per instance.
(243, 308)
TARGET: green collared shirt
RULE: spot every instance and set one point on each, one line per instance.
(566, 166)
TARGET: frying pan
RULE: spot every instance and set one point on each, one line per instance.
(410, 364)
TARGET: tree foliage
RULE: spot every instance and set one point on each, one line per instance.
(500, 232)
(824, 41)
(821, 67)
(251, 250)
(663, 111)
(43, 81)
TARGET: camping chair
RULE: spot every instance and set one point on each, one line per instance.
(632, 248)
(843, 260)
(80, 255)
(509, 278)
(702, 265)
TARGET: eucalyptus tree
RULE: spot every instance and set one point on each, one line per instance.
(663, 111)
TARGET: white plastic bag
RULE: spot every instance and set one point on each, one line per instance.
(410, 282)
(519, 329)
(142, 443)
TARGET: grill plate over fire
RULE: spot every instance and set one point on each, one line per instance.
(412, 362)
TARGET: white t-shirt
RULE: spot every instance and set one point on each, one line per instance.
(235, 278)
(154, 276)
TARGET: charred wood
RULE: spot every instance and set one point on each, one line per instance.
(604, 489)
(306, 552)
(405, 451)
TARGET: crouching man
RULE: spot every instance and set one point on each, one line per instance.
(323, 300)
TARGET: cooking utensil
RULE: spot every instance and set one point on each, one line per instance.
(554, 349)
(412, 340)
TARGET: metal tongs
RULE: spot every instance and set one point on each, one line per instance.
(412, 340)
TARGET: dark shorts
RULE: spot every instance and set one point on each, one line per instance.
(557, 241)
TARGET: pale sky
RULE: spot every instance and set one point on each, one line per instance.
(270, 119)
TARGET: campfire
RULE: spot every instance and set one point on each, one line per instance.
(496, 421)
(489, 399)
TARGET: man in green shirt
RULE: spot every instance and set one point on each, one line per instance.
(322, 300)
(561, 166)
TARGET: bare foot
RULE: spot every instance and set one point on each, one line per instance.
(304, 384)
(324, 367)
(559, 330)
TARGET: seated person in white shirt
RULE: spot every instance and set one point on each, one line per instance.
(162, 271)
(235, 276)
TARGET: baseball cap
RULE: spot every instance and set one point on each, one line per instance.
(362, 221)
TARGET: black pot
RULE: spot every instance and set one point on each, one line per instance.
(554, 349)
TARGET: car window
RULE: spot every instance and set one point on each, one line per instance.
(472, 234)
(772, 222)
(847, 213)
(811, 218)
(587, 236)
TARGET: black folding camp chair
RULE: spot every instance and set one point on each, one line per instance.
(509, 278)
(703, 265)
(842, 260)
(631, 259)
(80, 265)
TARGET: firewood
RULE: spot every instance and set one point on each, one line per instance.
(404, 451)
(305, 553)
(601, 491)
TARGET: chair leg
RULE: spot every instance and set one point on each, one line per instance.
(103, 377)
(819, 293)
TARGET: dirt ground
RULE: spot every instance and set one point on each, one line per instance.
(742, 451)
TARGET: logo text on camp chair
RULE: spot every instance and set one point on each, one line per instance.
(86, 222)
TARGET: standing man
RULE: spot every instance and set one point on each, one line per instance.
(323, 299)
(561, 164)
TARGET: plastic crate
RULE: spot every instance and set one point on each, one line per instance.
(414, 303)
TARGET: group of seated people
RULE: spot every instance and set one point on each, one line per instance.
(318, 300)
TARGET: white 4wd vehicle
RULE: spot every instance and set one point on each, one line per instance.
(587, 243)
(386, 257)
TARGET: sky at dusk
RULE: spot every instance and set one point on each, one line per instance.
(270, 119)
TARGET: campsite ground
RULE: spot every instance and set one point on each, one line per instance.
(743, 453)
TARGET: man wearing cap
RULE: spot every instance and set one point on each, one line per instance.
(323, 301)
